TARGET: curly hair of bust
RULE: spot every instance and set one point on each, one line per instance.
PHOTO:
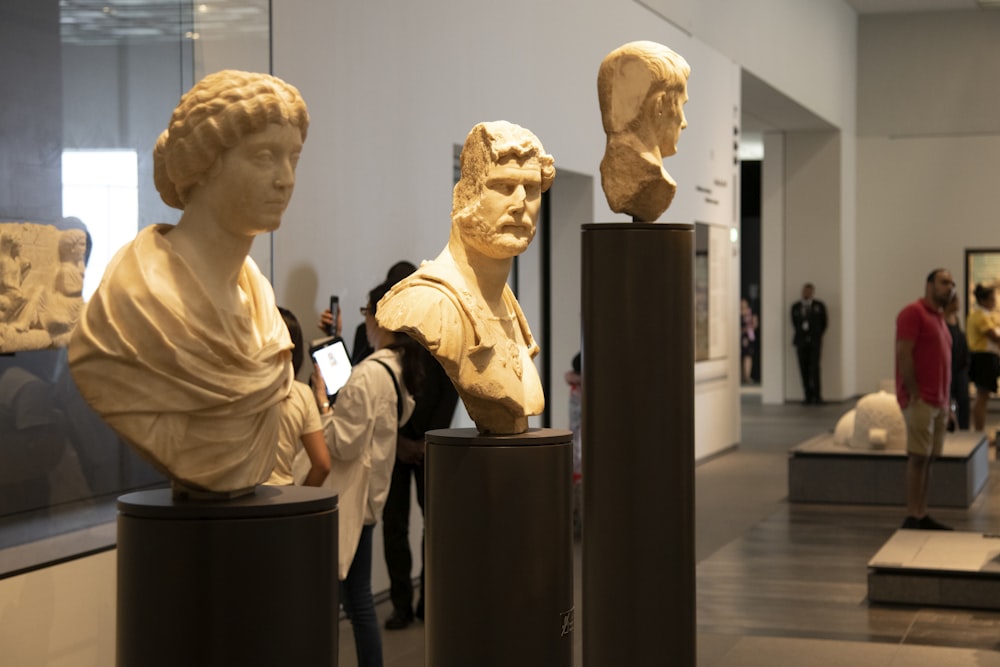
(213, 117)
(489, 144)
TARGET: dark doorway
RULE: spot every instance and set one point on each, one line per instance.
(750, 171)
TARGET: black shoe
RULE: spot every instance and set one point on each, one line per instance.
(398, 620)
(420, 609)
(927, 523)
(911, 523)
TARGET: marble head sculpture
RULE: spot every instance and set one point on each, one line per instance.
(459, 306)
(642, 89)
(182, 350)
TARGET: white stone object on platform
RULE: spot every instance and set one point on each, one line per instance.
(182, 350)
(879, 423)
(458, 305)
(844, 429)
(642, 89)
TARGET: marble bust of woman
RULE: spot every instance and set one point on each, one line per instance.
(182, 350)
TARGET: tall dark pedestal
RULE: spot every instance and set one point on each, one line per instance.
(499, 549)
(638, 602)
(249, 581)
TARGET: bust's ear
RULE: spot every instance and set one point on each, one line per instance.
(660, 103)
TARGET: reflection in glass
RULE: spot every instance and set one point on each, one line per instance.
(88, 88)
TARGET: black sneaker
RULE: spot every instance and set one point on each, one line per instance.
(398, 620)
(927, 523)
(911, 523)
(420, 609)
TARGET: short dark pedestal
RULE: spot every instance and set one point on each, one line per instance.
(499, 549)
(820, 471)
(249, 581)
(941, 568)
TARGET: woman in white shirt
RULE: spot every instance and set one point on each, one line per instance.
(301, 428)
(361, 434)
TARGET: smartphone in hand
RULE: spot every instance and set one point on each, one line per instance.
(331, 329)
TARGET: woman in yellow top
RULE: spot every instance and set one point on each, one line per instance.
(983, 331)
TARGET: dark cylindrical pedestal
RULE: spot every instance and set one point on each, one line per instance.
(638, 445)
(499, 549)
(249, 581)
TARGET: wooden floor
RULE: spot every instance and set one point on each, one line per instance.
(782, 584)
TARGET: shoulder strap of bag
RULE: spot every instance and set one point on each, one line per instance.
(395, 385)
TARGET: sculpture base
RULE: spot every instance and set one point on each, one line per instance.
(499, 548)
(820, 471)
(183, 492)
(249, 581)
(937, 568)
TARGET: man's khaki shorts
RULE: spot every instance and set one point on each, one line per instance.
(925, 428)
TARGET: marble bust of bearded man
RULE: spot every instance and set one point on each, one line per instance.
(459, 305)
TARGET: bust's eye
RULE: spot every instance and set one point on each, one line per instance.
(504, 187)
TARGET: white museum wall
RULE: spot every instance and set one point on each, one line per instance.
(812, 249)
(805, 50)
(921, 202)
(773, 348)
(928, 163)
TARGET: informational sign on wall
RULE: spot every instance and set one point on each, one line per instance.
(711, 295)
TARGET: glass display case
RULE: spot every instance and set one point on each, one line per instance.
(89, 88)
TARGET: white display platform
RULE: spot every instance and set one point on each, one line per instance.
(820, 471)
(937, 568)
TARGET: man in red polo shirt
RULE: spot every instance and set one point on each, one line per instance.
(923, 378)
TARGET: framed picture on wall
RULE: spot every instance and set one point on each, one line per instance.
(982, 266)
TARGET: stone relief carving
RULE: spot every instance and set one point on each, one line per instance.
(458, 305)
(642, 89)
(41, 284)
(182, 350)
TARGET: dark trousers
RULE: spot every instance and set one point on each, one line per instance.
(396, 535)
(809, 368)
(356, 596)
(960, 394)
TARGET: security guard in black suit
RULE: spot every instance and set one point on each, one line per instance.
(809, 319)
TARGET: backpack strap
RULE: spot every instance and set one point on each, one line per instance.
(395, 385)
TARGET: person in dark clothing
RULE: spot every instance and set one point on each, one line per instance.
(435, 407)
(361, 349)
(809, 319)
(960, 358)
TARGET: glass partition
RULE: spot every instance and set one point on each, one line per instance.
(89, 88)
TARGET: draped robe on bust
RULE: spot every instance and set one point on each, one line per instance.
(491, 366)
(195, 390)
